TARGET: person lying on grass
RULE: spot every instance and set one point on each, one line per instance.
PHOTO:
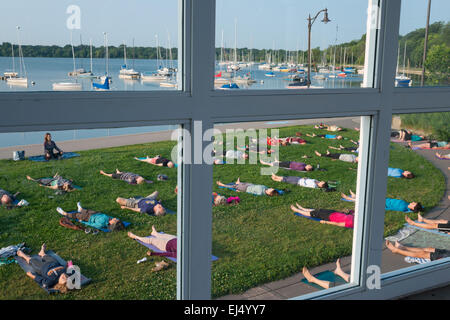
(231, 154)
(323, 283)
(443, 156)
(342, 148)
(6, 198)
(339, 156)
(131, 178)
(439, 225)
(55, 183)
(399, 173)
(332, 128)
(424, 253)
(443, 145)
(47, 271)
(326, 216)
(158, 161)
(255, 189)
(392, 204)
(254, 148)
(325, 136)
(164, 242)
(94, 219)
(406, 135)
(49, 146)
(219, 200)
(300, 181)
(147, 205)
(292, 165)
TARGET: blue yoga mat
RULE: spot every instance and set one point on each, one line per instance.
(326, 276)
(343, 199)
(302, 216)
(281, 192)
(126, 224)
(41, 158)
(153, 248)
(27, 268)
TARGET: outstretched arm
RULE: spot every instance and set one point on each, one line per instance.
(339, 224)
(132, 209)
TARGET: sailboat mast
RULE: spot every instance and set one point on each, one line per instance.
(73, 53)
(22, 63)
(235, 40)
(90, 52)
(14, 61)
(404, 59)
(106, 53)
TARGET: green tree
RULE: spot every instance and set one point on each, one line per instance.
(438, 64)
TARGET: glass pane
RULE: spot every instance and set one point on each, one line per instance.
(420, 146)
(267, 228)
(87, 46)
(424, 37)
(265, 45)
(97, 186)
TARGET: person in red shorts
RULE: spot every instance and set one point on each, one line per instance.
(327, 216)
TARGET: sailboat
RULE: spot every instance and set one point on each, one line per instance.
(401, 80)
(159, 75)
(13, 73)
(125, 72)
(21, 78)
(69, 86)
(104, 85)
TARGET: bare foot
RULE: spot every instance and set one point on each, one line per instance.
(317, 153)
(131, 235)
(149, 253)
(419, 218)
(154, 230)
(408, 220)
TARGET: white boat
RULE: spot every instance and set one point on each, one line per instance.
(67, 86)
(13, 73)
(125, 72)
(319, 77)
(153, 77)
(21, 78)
(168, 84)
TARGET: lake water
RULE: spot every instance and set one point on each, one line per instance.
(46, 71)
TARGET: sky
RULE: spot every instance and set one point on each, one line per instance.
(260, 24)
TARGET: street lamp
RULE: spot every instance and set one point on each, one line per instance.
(310, 23)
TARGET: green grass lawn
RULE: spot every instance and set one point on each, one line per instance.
(258, 241)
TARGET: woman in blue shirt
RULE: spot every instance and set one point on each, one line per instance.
(392, 204)
(399, 173)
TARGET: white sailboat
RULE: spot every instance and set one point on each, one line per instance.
(69, 85)
(161, 74)
(125, 72)
(13, 73)
(21, 78)
(401, 80)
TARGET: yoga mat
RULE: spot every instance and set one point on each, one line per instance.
(428, 230)
(67, 155)
(153, 248)
(442, 158)
(126, 224)
(326, 276)
(310, 218)
(27, 268)
(281, 192)
(416, 260)
(343, 199)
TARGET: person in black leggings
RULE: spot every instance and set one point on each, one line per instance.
(49, 146)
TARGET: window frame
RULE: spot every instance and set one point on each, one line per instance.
(198, 101)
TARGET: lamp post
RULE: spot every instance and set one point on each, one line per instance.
(310, 23)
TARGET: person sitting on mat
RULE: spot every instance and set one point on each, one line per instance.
(423, 253)
(300, 181)
(431, 145)
(392, 204)
(55, 183)
(49, 146)
(131, 178)
(164, 242)
(439, 225)
(443, 157)
(292, 165)
(94, 219)
(339, 156)
(325, 136)
(323, 283)
(399, 173)
(327, 216)
(7, 198)
(255, 189)
(147, 205)
(47, 271)
(158, 161)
